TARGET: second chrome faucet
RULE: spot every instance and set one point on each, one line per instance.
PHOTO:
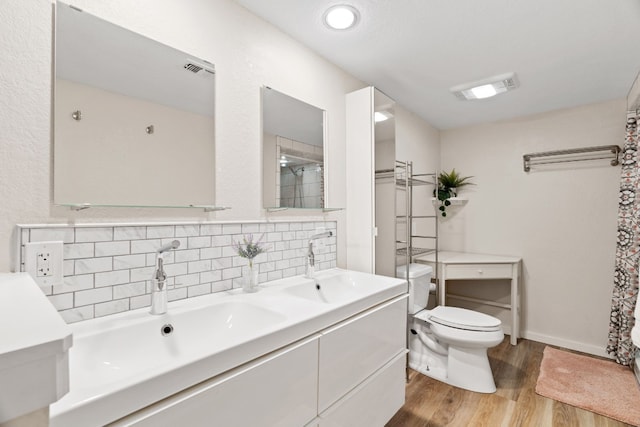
(311, 257)
(158, 282)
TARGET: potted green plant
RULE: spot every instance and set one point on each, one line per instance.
(449, 183)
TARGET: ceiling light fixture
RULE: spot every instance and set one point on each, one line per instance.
(341, 17)
(380, 117)
(486, 88)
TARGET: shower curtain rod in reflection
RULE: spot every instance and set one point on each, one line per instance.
(579, 155)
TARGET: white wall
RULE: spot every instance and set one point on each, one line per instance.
(247, 52)
(562, 220)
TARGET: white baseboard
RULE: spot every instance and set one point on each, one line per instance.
(572, 345)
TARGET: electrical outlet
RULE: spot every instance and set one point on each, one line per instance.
(43, 260)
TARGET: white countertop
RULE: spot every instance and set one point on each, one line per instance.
(451, 257)
(34, 343)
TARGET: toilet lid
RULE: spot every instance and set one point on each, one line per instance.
(462, 318)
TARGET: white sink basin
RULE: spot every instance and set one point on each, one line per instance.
(339, 286)
(99, 359)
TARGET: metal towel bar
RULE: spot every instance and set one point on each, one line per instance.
(613, 150)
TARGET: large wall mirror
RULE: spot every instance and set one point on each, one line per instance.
(133, 118)
(293, 152)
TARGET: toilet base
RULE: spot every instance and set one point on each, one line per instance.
(467, 368)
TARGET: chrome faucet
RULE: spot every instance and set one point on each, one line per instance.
(311, 258)
(158, 283)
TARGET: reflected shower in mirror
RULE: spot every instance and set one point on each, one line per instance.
(133, 118)
(293, 152)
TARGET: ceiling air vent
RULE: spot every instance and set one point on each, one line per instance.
(193, 67)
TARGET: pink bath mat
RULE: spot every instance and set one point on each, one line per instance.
(597, 385)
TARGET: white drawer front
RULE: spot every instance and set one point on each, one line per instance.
(373, 402)
(356, 348)
(276, 390)
(479, 271)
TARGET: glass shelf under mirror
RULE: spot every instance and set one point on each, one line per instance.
(82, 206)
(285, 208)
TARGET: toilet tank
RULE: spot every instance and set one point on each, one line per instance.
(419, 285)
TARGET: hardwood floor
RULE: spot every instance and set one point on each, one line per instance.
(515, 403)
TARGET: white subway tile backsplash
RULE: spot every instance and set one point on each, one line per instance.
(111, 278)
(144, 246)
(210, 253)
(187, 230)
(199, 266)
(267, 228)
(199, 242)
(140, 301)
(188, 255)
(62, 301)
(93, 265)
(197, 290)
(108, 269)
(94, 234)
(176, 269)
(129, 261)
(221, 263)
(66, 235)
(159, 231)
(112, 248)
(74, 283)
(129, 233)
(141, 274)
(283, 226)
(231, 228)
(78, 250)
(274, 275)
(231, 273)
(111, 307)
(129, 290)
(210, 276)
(176, 294)
(187, 280)
(250, 228)
(93, 296)
(224, 240)
(77, 314)
(210, 229)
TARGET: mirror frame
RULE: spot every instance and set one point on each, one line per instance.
(276, 159)
(167, 172)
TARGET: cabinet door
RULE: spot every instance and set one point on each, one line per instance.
(276, 390)
(356, 348)
(373, 402)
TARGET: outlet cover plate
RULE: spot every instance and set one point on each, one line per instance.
(44, 262)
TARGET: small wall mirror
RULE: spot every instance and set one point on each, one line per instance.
(133, 118)
(293, 152)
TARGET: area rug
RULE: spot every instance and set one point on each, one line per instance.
(597, 385)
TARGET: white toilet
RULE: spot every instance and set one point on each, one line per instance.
(449, 343)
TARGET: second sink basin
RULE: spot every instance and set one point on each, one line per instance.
(338, 286)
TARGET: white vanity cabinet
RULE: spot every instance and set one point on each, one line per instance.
(362, 367)
(350, 374)
(279, 389)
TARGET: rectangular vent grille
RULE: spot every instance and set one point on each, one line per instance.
(193, 67)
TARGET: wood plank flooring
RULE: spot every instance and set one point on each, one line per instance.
(515, 403)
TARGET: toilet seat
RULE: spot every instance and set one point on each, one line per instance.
(460, 318)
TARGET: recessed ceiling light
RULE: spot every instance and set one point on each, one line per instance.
(486, 88)
(341, 17)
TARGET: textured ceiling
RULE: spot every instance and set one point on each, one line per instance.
(565, 52)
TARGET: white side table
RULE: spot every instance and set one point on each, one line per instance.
(468, 266)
